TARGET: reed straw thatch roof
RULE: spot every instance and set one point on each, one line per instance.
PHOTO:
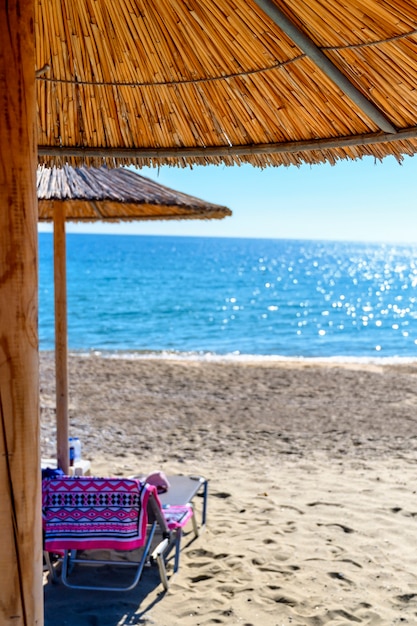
(111, 195)
(267, 82)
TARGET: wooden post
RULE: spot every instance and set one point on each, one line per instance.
(21, 593)
(61, 338)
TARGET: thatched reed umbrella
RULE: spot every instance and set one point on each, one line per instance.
(89, 194)
(80, 194)
(266, 82)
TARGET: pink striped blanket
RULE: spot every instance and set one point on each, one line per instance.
(92, 513)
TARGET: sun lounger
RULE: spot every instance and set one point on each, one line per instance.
(183, 490)
(116, 514)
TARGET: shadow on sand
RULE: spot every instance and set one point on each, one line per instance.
(78, 607)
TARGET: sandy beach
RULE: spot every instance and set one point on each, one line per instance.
(312, 512)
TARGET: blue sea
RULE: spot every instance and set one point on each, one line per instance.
(212, 298)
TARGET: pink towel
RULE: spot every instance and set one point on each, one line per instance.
(92, 513)
(177, 516)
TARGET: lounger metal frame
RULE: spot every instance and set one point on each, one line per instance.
(182, 492)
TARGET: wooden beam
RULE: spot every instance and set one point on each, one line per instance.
(61, 338)
(325, 64)
(20, 502)
(308, 145)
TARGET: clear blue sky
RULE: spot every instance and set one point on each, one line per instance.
(353, 200)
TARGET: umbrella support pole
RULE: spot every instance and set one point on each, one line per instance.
(20, 484)
(61, 340)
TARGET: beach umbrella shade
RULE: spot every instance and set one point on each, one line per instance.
(266, 82)
(81, 194)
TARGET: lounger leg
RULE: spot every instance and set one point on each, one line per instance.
(159, 556)
(51, 569)
(205, 497)
(194, 522)
(178, 535)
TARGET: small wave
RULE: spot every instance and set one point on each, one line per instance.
(235, 357)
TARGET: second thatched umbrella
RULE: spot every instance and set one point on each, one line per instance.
(106, 195)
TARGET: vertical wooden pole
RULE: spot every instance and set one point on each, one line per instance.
(61, 338)
(21, 593)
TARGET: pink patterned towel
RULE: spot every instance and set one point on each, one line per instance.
(91, 513)
(177, 516)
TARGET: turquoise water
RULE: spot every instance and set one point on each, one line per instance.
(233, 297)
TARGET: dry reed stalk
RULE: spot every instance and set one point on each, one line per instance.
(233, 91)
(101, 194)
